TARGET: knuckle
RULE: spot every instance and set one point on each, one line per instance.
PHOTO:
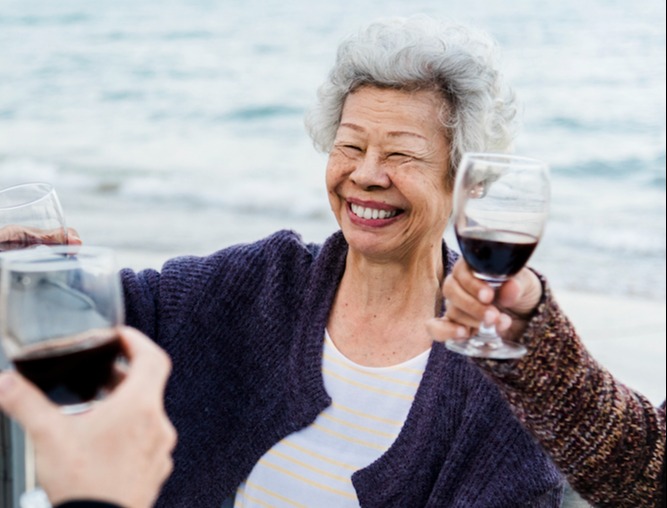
(170, 436)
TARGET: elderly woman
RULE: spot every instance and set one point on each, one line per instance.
(304, 375)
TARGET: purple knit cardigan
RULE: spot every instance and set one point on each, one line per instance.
(245, 327)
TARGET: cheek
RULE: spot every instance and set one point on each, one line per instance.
(336, 171)
(330, 177)
(333, 180)
(434, 202)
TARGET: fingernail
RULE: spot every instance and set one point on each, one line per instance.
(485, 295)
(489, 317)
(461, 332)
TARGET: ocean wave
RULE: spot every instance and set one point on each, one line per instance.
(142, 112)
(34, 20)
(262, 112)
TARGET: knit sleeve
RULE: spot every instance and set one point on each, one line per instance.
(608, 440)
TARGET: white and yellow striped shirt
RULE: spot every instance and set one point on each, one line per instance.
(313, 467)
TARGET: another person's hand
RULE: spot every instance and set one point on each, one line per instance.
(25, 236)
(471, 301)
(119, 451)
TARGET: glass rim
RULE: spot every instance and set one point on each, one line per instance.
(48, 188)
(498, 158)
(45, 257)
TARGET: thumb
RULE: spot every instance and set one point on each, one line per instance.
(521, 294)
(73, 237)
(23, 402)
(509, 293)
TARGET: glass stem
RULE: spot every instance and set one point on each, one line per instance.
(487, 336)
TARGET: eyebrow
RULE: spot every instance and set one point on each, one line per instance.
(392, 134)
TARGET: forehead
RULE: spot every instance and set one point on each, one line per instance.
(387, 110)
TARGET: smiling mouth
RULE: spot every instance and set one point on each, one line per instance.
(372, 213)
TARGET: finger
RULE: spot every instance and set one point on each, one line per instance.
(473, 285)
(503, 322)
(521, 294)
(460, 305)
(31, 235)
(118, 374)
(54, 236)
(15, 234)
(171, 435)
(442, 329)
(73, 237)
(149, 366)
(509, 293)
(25, 403)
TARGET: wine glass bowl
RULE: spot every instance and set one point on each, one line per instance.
(30, 214)
(501, 205)
(60, 307)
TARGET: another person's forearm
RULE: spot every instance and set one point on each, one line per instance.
(608, 440)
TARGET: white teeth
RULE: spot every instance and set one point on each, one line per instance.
(371, 213)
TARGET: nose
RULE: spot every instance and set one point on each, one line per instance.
(370, 173)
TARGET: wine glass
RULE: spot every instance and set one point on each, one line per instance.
(501, 205)
(60, 307)
(30, 214)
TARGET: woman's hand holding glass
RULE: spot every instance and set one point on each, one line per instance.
(470, 301)
(500, 208)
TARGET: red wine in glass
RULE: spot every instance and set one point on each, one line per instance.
(495, 255)
(73, 372)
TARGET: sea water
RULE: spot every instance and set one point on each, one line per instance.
(176, 126)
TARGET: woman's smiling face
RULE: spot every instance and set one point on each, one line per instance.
(387, 172)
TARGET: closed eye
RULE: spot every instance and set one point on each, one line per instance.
(350, 150)
(400, 155)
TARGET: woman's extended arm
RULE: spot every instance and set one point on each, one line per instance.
(607, 439)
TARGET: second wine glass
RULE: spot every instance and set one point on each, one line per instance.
(501, 205)
(60, 308)
(30, 214)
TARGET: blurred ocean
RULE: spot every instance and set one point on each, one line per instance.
(176, 126)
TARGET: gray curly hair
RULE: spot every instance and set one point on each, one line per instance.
(420, 53)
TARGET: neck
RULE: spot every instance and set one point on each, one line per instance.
(380, 309)
(393, 285)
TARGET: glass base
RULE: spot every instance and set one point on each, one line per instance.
(495, 350)
(75, 409)
(35, 498)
